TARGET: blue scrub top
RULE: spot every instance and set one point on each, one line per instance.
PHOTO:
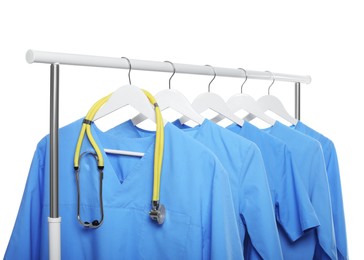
(333, 174)
(243, 162)
(195, 189)
(308, 155)
(294, 211)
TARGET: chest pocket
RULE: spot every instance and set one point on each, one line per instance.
(166, 241)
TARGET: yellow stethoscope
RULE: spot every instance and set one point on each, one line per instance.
(157, 213)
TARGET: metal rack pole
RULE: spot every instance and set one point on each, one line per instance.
(54, 119)
(54, 221)
(297, 94)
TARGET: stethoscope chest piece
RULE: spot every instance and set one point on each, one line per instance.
(158, 212)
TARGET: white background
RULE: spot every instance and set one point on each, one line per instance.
(323, 39)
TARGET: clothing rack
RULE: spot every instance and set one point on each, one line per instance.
(57, 59)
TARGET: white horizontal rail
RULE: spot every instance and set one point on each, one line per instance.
(33, 56)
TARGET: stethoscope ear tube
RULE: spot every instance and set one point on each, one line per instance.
(86, 128)
(95, 223)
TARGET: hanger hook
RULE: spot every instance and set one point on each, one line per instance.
(209, 87)
(274, 79)
(174, 71)
(246, 78)
(129, 68)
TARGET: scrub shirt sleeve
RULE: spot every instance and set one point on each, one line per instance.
(333, 171)
(222, 238)
(25, 239)
(321, 200)
(295, 212)
(256, 207)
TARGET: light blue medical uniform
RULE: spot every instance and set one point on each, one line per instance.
(308, 155)
(243, 162)
(195, 189)
(294, 211)
(333, 175)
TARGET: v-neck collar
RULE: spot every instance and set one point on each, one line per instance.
(140, 172)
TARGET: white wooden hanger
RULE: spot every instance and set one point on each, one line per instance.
(247, 103)
(272, 103)
(250, 105)
(123, 96)
(127, 95)
(173, 99)
(214, 102)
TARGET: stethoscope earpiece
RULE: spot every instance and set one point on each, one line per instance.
(93, 224)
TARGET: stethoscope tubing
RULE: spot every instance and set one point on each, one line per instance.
(157, 212)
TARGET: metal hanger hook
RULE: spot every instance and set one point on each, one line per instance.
(246, 78)
(129, 68)
(209, 87)
(174, 71)
(274, 79)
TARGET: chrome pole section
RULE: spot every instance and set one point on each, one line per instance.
(54, 221)
(54, 115)
(297, 94)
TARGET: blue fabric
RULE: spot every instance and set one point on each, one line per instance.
(333, 174)
(195, 189)
(308, 155)
(294, 211)
(243, 162)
